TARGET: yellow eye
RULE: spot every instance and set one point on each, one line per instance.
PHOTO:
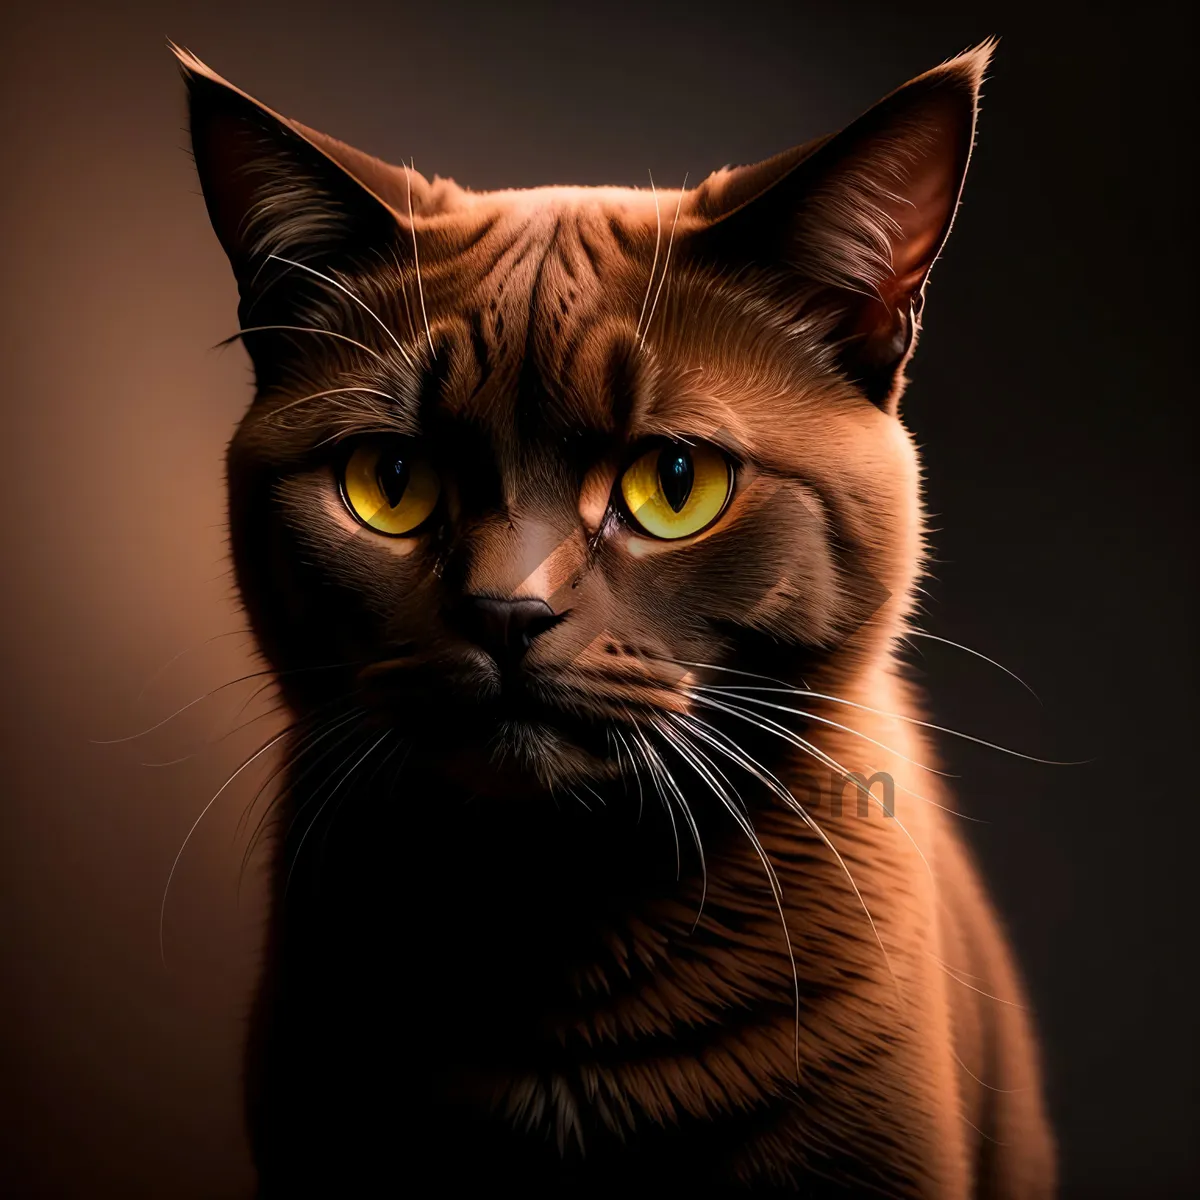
(675, 489)
(389, 487)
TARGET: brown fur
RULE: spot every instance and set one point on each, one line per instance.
(558, 1022)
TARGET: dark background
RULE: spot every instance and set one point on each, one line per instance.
(1053, 395)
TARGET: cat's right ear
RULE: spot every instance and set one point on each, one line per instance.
(853, 223)
(274, 187)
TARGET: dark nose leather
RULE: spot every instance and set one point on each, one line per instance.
(505, 628)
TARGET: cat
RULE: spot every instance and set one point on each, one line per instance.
(580, 527)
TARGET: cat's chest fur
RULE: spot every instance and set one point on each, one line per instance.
(535, 994)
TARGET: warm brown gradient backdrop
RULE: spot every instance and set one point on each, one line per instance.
(1059, 442)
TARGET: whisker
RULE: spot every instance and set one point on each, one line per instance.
(157, 675)
(828, 760)
(216, 741)
(987, 1137)
(180, 711)
(353, 296)
(321, 728)
(317, 816)
(577, 797)
(644, 746)
(412, 225)
(292, 785)
(955, 976)
(654, 264)
(588, 788)
(689, 818)
(747, 828)
(666, 263)
(329, 392)
(967, 737)
(728, 692)
(682, 662)
(636, 774)
(990, 1087)
(162, 912)
(919, 633)
(412, 328)
(313, 795)
(768, 777)
(367, 783)
(341, 337)
(220, 688)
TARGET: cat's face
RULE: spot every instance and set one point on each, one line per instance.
(524, 467)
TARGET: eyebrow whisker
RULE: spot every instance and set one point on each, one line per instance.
(412, 225)
(654, 264)
(341, 337)
(353, 296)
(666, 263)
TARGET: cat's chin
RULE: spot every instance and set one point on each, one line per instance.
(522, 757)
(505, 743)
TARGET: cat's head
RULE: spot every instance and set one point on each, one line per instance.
(525, 468)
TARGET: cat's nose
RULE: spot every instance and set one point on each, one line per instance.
(505, 628)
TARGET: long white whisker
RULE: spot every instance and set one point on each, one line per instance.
(828, 760)
(731, 694)
(666, 263)
(216, 739)
(692, 826)
(636, 774)
(654, 264)
(684, 719)
(353, 296)
(646, 749)
(747, 828)
(412, 225)
(324, 804)
(955, 975)
(214, 691)
(395, 257)
(990, 1087)
(329, 392)
(967, 737)
(587, 787)
(182, 653)
(920, 633)
(315, 736)
(333, 816)
(132, 737)
(682, 662)
(292, 785)
(768, 777)
(576, 797)
(341, 337)
(162, 911)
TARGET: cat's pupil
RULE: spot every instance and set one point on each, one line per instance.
(676, 476)
(392, 476)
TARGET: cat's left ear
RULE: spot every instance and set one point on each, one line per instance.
(856, 220)
(275, 187)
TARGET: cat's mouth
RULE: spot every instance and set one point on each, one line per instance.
(516, 730)
(520, 724)
(501, 735)
(514, 745)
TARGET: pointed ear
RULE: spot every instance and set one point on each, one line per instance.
(276, 187)
(856, 220)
